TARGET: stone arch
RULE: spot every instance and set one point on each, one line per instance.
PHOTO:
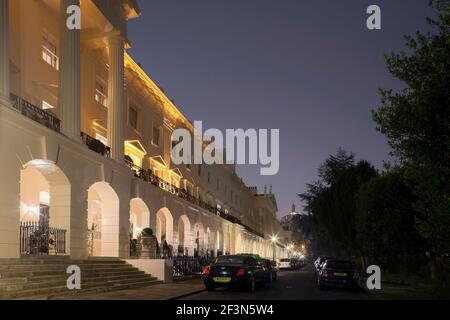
(45, 200)
(139, 217)
(103, 221)
(164, 226)
(184, 234)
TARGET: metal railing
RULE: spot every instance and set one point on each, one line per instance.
(96, 145)
(38, 239)
(39, 115)
(148, 176)
(186, 266)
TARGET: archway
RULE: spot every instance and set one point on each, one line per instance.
(139, 217)
(103, 221)
(199, 234)
(164, 226)
(44, 208)
(184, 235)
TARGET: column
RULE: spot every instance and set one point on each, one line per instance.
(116, 97)
(4, 52)
(69, 75)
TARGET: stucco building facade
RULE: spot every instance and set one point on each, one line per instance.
(85, 145)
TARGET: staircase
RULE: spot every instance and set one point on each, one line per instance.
(45, 277)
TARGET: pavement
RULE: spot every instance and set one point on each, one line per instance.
(164, 291)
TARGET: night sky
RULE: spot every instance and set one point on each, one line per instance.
(310, 68)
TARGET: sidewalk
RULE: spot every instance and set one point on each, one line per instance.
(167, 291)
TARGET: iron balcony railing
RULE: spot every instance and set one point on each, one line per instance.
(148, 176)
(96, 145)
(39, 115)
(38, 239)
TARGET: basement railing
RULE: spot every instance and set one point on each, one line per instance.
(96, 145)
(41, 116)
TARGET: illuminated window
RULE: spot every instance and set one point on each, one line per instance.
(46, 105)
(135, 151)
(156, 135)
(101, 138)
(133, 117)
(49, 53)
(100, 93)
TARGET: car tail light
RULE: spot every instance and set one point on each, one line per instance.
(206, 271)
(240, 272)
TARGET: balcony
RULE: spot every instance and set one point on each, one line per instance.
(29, 110)
(95, 145)
(149, 177)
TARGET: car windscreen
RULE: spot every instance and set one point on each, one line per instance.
(339, 264)
(230, 260)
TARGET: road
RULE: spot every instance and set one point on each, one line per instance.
(291, 285)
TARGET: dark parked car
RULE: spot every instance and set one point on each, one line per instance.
(269, 268)
(338, 273)
(238, 271)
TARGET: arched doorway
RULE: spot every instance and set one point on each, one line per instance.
(184, 235)
(199, 234)
(44, 209)
(164, 226)
(139, 217)
(103, 221)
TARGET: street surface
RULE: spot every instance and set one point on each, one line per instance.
(291, 285)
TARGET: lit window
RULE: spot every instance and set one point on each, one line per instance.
(100, 93)
(133, 117)
(44, 197)
(156, 135)
(46, 105)
(49, 53)
(101, 138)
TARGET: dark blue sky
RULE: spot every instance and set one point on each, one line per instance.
(310, 68)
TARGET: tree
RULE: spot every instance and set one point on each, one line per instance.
(331, 201)
(416, 122)
(386, 222)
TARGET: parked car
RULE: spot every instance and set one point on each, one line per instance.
(238, 271)
(338, 273)
(269, 268)
(285, 263)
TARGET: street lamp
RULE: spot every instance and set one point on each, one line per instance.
(274, 239)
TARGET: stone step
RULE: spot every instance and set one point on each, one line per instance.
(46, 272)
(17, 287)
(59, 292)
(32, 267)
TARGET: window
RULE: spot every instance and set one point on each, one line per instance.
(100, 93)
(133, 117)
(46, 105)
(156, 135)
(101, 138)
(49, 53)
